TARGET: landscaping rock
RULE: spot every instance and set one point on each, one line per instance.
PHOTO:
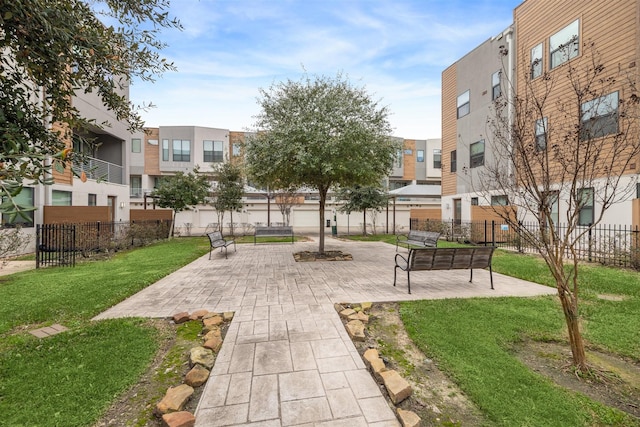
(378, 367)
(199, 314)
(201, 356)
(197, 376)
(366, 306)
(355, 329)
(215, 320)
(359, 316)
(175, 399)
(213, 344)
(227, 316)
(179, 419)
(408, 418)
(347, 312)
(215, 332)
(180, 317)
(397, 387)
(369, 355)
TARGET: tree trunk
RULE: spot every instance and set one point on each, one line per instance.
(573, 329)
(364, 222)
(323, 200)
(231, 226)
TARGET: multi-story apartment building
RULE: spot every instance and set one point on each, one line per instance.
(418, 163)
(106, 170)
(469, 88)
(534, 54)
(168, 149)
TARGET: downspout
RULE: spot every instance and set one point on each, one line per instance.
(512, 89)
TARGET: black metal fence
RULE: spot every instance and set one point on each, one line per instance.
(59, 244)
(614, 245)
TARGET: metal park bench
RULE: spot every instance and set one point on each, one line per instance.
(422, 259)
(427, 239)
(273, 231)
(217, 241)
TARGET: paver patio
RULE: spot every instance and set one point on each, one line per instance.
(286, 359)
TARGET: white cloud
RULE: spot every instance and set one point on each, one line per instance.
(396, 48)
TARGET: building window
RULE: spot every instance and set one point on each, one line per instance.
(152, 142)
(60, 198)
(476, 151)
(181, 150)
(92, 200)
(135, 186)
(499, 200)
(599, 117)
(536, 61)
(437, 158)
(565, 44)
(474, 201)
(165, 150)
(213, 151)
(638, 190)
(585, 203)
(24, 198)
(454, 161)
(496, 90)
(541, 134)
(419, 156)
(463, 104)
(235, 149)
(136, 145)
(398, 160)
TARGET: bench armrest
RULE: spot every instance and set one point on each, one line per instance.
(404, 260)
(402, 237)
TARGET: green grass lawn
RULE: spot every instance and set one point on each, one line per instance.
(71, 378)
(68, 380)
(473, 341)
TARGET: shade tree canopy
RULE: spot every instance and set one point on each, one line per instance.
(51, 50)
(320, 132)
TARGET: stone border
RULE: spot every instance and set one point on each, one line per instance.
(398, 389)
(201, 361)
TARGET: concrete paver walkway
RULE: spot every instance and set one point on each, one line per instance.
(286, 359)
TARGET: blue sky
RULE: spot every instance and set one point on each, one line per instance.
(396, 49)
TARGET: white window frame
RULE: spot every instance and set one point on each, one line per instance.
(599, 115)
(564, 45)
(541, 129)
(537, 61)
(463, 104)
(476, 159)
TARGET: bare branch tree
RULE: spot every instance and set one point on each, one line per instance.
(566, 138)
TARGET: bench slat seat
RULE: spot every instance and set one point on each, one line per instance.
(273, 231)
(425, 259)
(418, 238)
(217, 241)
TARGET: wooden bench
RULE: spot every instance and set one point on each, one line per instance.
(427, 239)
(217, 241)
(273, 231)
(421, 259)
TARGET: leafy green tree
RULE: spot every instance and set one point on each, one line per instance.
(320, 133)
(50, 51)
(359, 199)
(228, 196)
(182, 191)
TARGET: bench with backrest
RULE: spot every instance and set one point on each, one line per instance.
(424, 259)
(420, 238)
(273, 231)
(217, 241)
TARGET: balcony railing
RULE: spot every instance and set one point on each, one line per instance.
(100, 170)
